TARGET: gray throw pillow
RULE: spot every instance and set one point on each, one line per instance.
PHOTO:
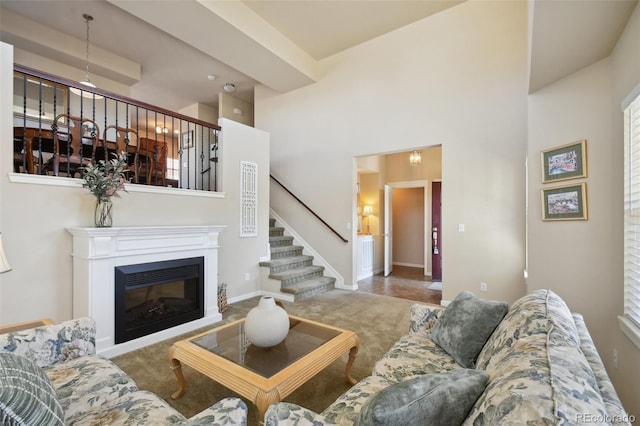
(444, 399)
(466, 325)
(27, 396)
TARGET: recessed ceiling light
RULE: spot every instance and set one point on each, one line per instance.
(229, 87)
(211, 77)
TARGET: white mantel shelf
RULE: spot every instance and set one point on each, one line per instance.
(96, 253)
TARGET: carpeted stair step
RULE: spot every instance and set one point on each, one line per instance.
(285, 251)
(276, 231)
(294, 270)
(308, 288)
(288, 263)
(295, 276)
(279, 241)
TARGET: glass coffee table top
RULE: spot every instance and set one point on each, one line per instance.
(263, 376)
(231, 343)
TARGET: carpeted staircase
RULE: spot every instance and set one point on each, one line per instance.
(295, 271)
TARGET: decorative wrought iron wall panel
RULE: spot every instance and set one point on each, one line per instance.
(248, 199)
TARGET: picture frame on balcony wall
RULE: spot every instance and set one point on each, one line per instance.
(565, 162)
(565, 202)
(187, 140)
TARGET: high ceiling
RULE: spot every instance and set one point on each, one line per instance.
(176, 44)
(322, 28)
(568, 35)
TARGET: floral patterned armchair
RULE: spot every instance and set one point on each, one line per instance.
(88, 388)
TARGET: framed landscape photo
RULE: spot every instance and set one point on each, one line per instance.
(565, 202)
(565, 162)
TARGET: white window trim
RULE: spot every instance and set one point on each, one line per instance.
(630, 329)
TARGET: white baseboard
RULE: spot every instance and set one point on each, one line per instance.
(408, 265)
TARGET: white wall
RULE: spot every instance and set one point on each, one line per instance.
(625, 62)
(235, 109)
(582, 261)
(463, 89)
(34, 218)
(34, 61)
(243, 143)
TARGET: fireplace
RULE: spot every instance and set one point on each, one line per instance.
(98, 253)
(152, 297)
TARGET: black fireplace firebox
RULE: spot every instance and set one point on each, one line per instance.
(151, 297)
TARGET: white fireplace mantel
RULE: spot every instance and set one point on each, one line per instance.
(96, 253)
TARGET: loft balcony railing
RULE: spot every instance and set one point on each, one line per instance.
(60, 126)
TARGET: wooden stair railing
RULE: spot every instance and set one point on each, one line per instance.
(344, 240)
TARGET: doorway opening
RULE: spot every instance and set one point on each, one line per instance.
(403, 283)
(390, 190)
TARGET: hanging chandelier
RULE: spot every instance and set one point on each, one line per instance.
(87, 81)
(415, 158)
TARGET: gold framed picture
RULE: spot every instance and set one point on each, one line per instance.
(565, 162)
(565, 202)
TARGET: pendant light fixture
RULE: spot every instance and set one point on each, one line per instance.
(87, 81)
(415, 158)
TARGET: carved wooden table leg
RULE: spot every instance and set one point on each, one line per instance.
(177, 369)
(264, 400)
(352, 357)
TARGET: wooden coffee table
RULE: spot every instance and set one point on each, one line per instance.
(264, 376)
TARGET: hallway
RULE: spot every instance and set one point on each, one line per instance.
(405, 283)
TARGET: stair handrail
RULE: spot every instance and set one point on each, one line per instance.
(344, 240)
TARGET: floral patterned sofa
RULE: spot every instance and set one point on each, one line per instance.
(82, 388)
(542, 366)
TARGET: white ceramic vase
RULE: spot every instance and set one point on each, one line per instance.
(267, 324)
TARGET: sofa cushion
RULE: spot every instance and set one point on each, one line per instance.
(538, 372)
(413, 355)
(466, 325)
(145, 408)
(443, 399)
(346, 409)
(88, 382)
(574, 388)
(423, 317)
(51, 344)
(560, 314)
(527, 316)
(137, 408)
(26, 394)
(607, 392)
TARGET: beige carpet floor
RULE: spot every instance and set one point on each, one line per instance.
(378, 320)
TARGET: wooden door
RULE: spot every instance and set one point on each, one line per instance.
(436, 231)
(388, 230)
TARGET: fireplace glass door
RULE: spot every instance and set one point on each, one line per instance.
(152, 297)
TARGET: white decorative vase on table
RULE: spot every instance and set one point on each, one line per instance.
(267, 324)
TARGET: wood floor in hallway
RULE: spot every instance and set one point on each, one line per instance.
(404, 282)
